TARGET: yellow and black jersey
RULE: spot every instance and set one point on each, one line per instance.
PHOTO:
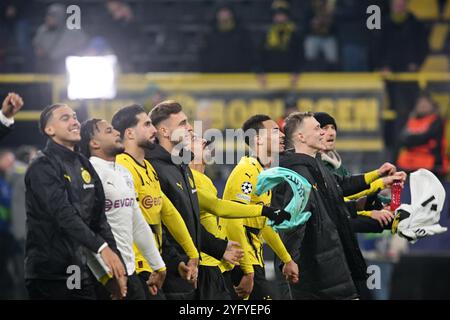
(212, 207)
(156, 208)
(376, 184)
(208, 220)
(240, 187)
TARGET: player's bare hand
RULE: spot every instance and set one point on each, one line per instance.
(233, 254)
(384, 217)
(12, 104)
(245, 287)
(387, 169)
(290, 271)
(399, 176)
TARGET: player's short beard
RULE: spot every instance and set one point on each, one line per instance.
(117, 150)
(151, 146)
(180, 142)
(114, 151)
(146, 144)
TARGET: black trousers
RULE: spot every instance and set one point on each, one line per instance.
(135, 291)
(261, 287)
(211, 284)
(363, 291)
(283, 291)
(39, 289)
(143, 277)
(227, 275)
(176, 288)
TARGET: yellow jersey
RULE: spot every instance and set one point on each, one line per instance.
(156, 208)
(212, 207)
(209, 221)
(250, 232)
(376, 184)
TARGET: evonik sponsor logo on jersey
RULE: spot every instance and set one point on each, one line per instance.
(120, 203)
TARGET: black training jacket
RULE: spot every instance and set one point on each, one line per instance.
(178, 184)
(325, 248)
(4, 130)
(65, 214)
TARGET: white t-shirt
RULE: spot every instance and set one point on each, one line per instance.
(122, 211)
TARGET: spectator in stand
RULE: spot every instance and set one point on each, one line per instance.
(280, 50)
(422, 142)
(350, 18)
(54, 41)
(403, 42)
(290, 106)
(16, 31)
(228, 47)
(23, 154)
(6, 239)
(117, 26)
(320, 37)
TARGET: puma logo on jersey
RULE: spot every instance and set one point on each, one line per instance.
(180, 185)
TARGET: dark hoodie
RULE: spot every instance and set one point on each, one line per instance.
(325, 248)
(178, 185)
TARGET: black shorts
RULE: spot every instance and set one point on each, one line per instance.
(39, 289)
(211, 284)
(228, 277)
(261, 287)
(176, 288)
(135, 290)
(143, 277)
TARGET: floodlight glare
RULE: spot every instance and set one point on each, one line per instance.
(91, 77)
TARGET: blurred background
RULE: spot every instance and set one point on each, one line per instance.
(378, 72)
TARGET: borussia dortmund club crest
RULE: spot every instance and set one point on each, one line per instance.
(86, 176)
(246, 187)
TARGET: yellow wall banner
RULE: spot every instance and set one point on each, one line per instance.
(226, 101)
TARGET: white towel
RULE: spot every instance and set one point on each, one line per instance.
(427, 202)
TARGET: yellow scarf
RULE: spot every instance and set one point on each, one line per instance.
(279, 36)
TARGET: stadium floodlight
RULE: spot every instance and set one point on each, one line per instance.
(91, 77)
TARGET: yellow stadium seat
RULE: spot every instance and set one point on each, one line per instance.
(424, 9)
(436, 63)
(438, 35)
